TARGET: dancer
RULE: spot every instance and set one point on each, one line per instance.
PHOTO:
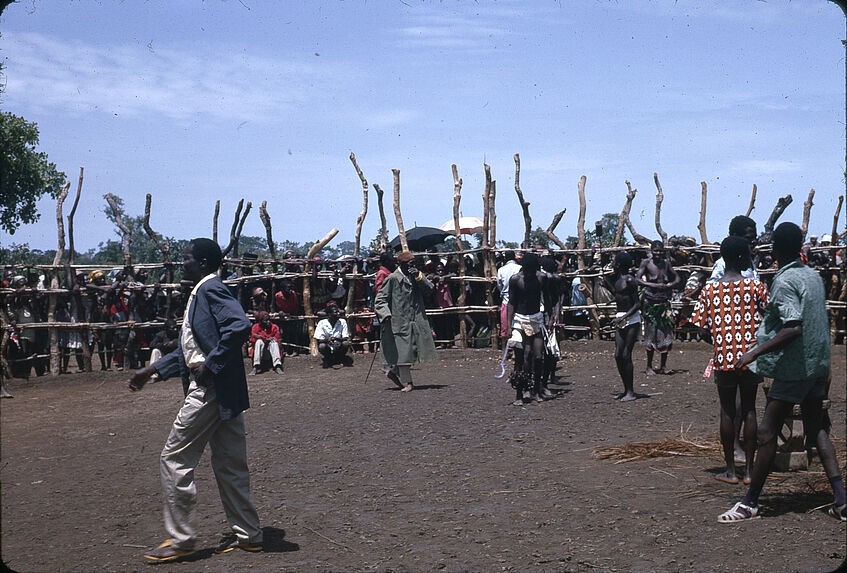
(731, 310)
(627, 321)
(658, 278)
(793, 349)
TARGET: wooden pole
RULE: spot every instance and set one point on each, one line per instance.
(457, 198)
(359, 221)
(164, 247)
(624, 216)
(752, 202)
(269, 233)
(71, 254)
(580, 223)
(781, 204)
(307, 291)
(383, 229)
(527, 220)
(552, 227)
(55, 355)
(215, 220)
(702, 225)
(834, 234)
(397, 215)
(492, 267)
(660, 196)
(71, 277)
(807, 211)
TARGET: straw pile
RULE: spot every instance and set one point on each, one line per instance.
(668, 447)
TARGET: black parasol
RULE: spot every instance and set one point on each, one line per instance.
(420, 238)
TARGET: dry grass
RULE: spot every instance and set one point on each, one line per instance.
(668, 447)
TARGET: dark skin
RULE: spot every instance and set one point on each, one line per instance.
(192, 270)
(627, 301)
(525, 290)
(776, 411)
(730, 406)
(657, 276)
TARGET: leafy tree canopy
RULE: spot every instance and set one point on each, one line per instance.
(25, 174)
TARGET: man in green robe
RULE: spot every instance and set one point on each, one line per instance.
(406, 333)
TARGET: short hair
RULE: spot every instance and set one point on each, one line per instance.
(386, 257)
(739, 224)
(203, 248)
(548, 264)
(656, 243)
(787, 238)
(509, 255)
(530, 260)
(623, 260)
(732, 248)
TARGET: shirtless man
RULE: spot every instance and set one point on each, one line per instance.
(627, 321)
(658, 278)
(524, 314)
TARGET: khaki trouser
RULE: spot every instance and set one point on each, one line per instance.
(272, 347)
(197, 423)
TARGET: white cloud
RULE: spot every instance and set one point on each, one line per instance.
(130, 80)
(451, 31)
(391, 118)
(766, 166)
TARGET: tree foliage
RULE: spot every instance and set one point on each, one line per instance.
(609, 226)
(25, 173)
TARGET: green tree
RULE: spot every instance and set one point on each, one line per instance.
(25, 173)
(142, 249)
(609, 226)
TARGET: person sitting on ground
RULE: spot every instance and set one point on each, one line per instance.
(793, 349)
(658, 278)
(264, 338)
(165, 342)
(627, 322)
(288, 304)
(731, 309)
(333, 338)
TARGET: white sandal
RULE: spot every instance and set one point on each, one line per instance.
(739, 512)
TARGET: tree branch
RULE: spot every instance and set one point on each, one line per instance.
(659, 198)
(527, 220)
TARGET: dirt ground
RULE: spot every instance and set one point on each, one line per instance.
(354, 476)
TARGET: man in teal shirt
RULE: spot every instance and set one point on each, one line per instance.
(793, 349)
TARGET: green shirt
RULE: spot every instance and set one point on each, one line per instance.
(797, 294)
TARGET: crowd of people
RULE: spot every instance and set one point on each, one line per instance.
(120, 296)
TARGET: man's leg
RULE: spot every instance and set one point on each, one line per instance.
(624, 343)
(258, 351)
(197, 420)
(726, 394)
(748, 415)
(404, 374)
(536, 343)
(775, 413)
(650, 371)
(276, 356)
(814, 426)
(326, 352)
(228, 446)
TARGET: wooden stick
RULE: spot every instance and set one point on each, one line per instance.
(397, 215)
(781, 204)
(639, 238)
(660, 196)
(527, 220)
(383, 229)
(232, 237)
(834, 233)
(702, 225)
(580, 223)
(240, 227)
(307, 291)
(492, 215)
(457, 198)
(127, 234)
(359, 221)
(55, 356)
(553, 224)
(266, 221)
(215, 220)
(752, 201)
(624, 216)
(807, 211)
(165, 248)
(71, 254)
(492, 266)
(486, 193)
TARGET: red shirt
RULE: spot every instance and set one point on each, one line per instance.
(288, 304)
(732, 311)
(381, 275)
(265, 334)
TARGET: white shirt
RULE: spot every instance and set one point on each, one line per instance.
(324, 330)
(194, 357)
(505, 273)
(719, 269)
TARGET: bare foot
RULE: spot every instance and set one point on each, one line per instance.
(407, 388)
(518, 402)
(727, 477)
(628, 397)
(650, 372)
(619, 396)
(747, 480)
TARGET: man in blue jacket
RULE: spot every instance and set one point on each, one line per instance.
(210, 363)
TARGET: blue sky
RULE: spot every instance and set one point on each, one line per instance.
(195, 101)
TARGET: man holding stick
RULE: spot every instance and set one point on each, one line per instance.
(209, 361)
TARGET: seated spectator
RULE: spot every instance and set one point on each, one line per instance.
(288, 304)
(258, 300)
(163, 343)
(333, 338)
(264, 338)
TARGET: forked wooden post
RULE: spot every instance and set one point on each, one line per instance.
(126, 234)
(781, 204)
(807, 212)
(580, 222)
(383, 228)
(553, 224)
(71, 277)
(351, 291)
(660, 196)
(55, 355)
(527, 220)
(307, 290)
(457, 231)
(397, 214)
(624, 217)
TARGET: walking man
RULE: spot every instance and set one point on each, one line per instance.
(627, 322)
(209, 361)
(793, 349)
(658, 278)
(406, 332)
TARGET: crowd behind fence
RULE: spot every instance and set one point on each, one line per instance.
(57, 312)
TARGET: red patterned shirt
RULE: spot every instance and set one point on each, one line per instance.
(732, 311)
